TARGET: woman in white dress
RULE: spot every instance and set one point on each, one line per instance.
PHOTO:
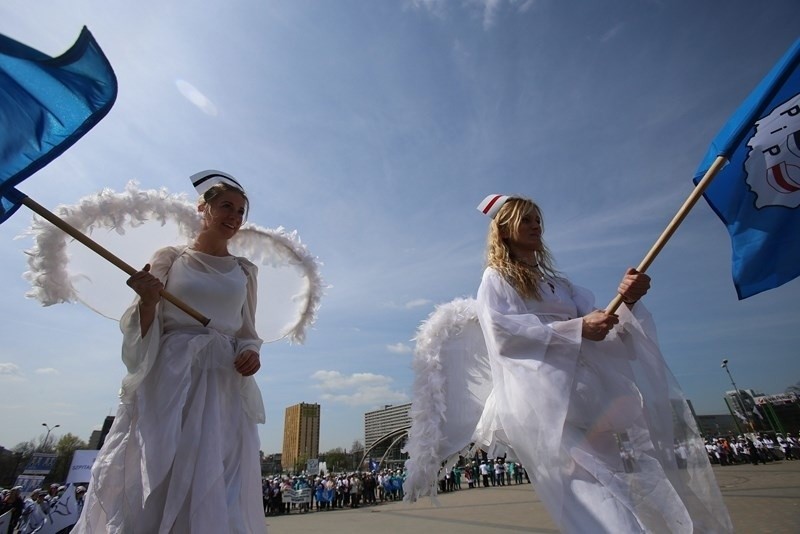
(584, 398)
(182, 455)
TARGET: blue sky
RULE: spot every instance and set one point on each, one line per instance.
(374, 128)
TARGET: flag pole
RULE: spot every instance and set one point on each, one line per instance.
(676, 221)
(96, 247)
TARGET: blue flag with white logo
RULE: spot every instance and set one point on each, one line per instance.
(757, 195)
(46, 105)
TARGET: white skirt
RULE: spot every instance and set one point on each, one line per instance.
(183, 456)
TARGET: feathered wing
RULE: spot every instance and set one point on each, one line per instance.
(277, 250)
(452, 381)
(290, 284)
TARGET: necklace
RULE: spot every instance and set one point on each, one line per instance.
(531, 266)
(535, 267)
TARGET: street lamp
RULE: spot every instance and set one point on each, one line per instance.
(738, 395)
(49, 429)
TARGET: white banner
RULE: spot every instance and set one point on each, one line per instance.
(312, 466)
(296, 496)
(63, 512)
(81, 468)
(29, 483)
(5, 521)
(41, 464)
(779, 398)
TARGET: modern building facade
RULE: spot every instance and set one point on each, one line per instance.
(714, 425)
(98, 437)
(385, 434)
(742, 406)
(379, 423)
(300, 435)
(757, 412)
(780, 412)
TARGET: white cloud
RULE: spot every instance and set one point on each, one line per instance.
(336, 380)
(193, 95)
(357, 389)
(416, 303)
(410, 305)
(435, 7)
(47, 371)
(489, 10)
(10, 371)
(368, 397)
(400, 348)
(611, 33)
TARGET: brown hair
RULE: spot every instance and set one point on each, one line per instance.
(523, 277)
(216, 190)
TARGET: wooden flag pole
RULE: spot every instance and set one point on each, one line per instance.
(676, 221)
(94, 246)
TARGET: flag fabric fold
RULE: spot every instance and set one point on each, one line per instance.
(46, 105)
(757, 195)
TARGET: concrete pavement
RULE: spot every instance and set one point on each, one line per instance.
(761, 499)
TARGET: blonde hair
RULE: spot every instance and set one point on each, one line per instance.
(522, 276)
(216, 190)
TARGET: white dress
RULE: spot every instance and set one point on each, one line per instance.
(596, 424)
(183, 453)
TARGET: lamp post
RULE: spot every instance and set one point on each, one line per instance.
(738, 395)
(49, 429)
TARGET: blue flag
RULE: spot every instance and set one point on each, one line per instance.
(757, 195)
(46, 105)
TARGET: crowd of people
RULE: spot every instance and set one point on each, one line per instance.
(304, 493)
(756, 448)
(350, 490)
(29, 514)
(283, 494)
(482, 472)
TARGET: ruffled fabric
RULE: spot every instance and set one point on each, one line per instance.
(48, 261)
(596, 424)
(182, 454)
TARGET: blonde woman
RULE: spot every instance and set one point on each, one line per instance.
(582, 397)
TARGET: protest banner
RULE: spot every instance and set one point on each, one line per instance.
(80, 471)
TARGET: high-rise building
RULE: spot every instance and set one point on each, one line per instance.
(378, 423)
(300, 435)
(385, 433)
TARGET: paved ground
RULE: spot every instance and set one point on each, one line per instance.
(762, 499)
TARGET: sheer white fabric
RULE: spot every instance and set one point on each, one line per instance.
(182, 454)
(594, 423)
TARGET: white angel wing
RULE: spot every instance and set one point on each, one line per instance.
(452, 381)
(60, 270)
(290, 285)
